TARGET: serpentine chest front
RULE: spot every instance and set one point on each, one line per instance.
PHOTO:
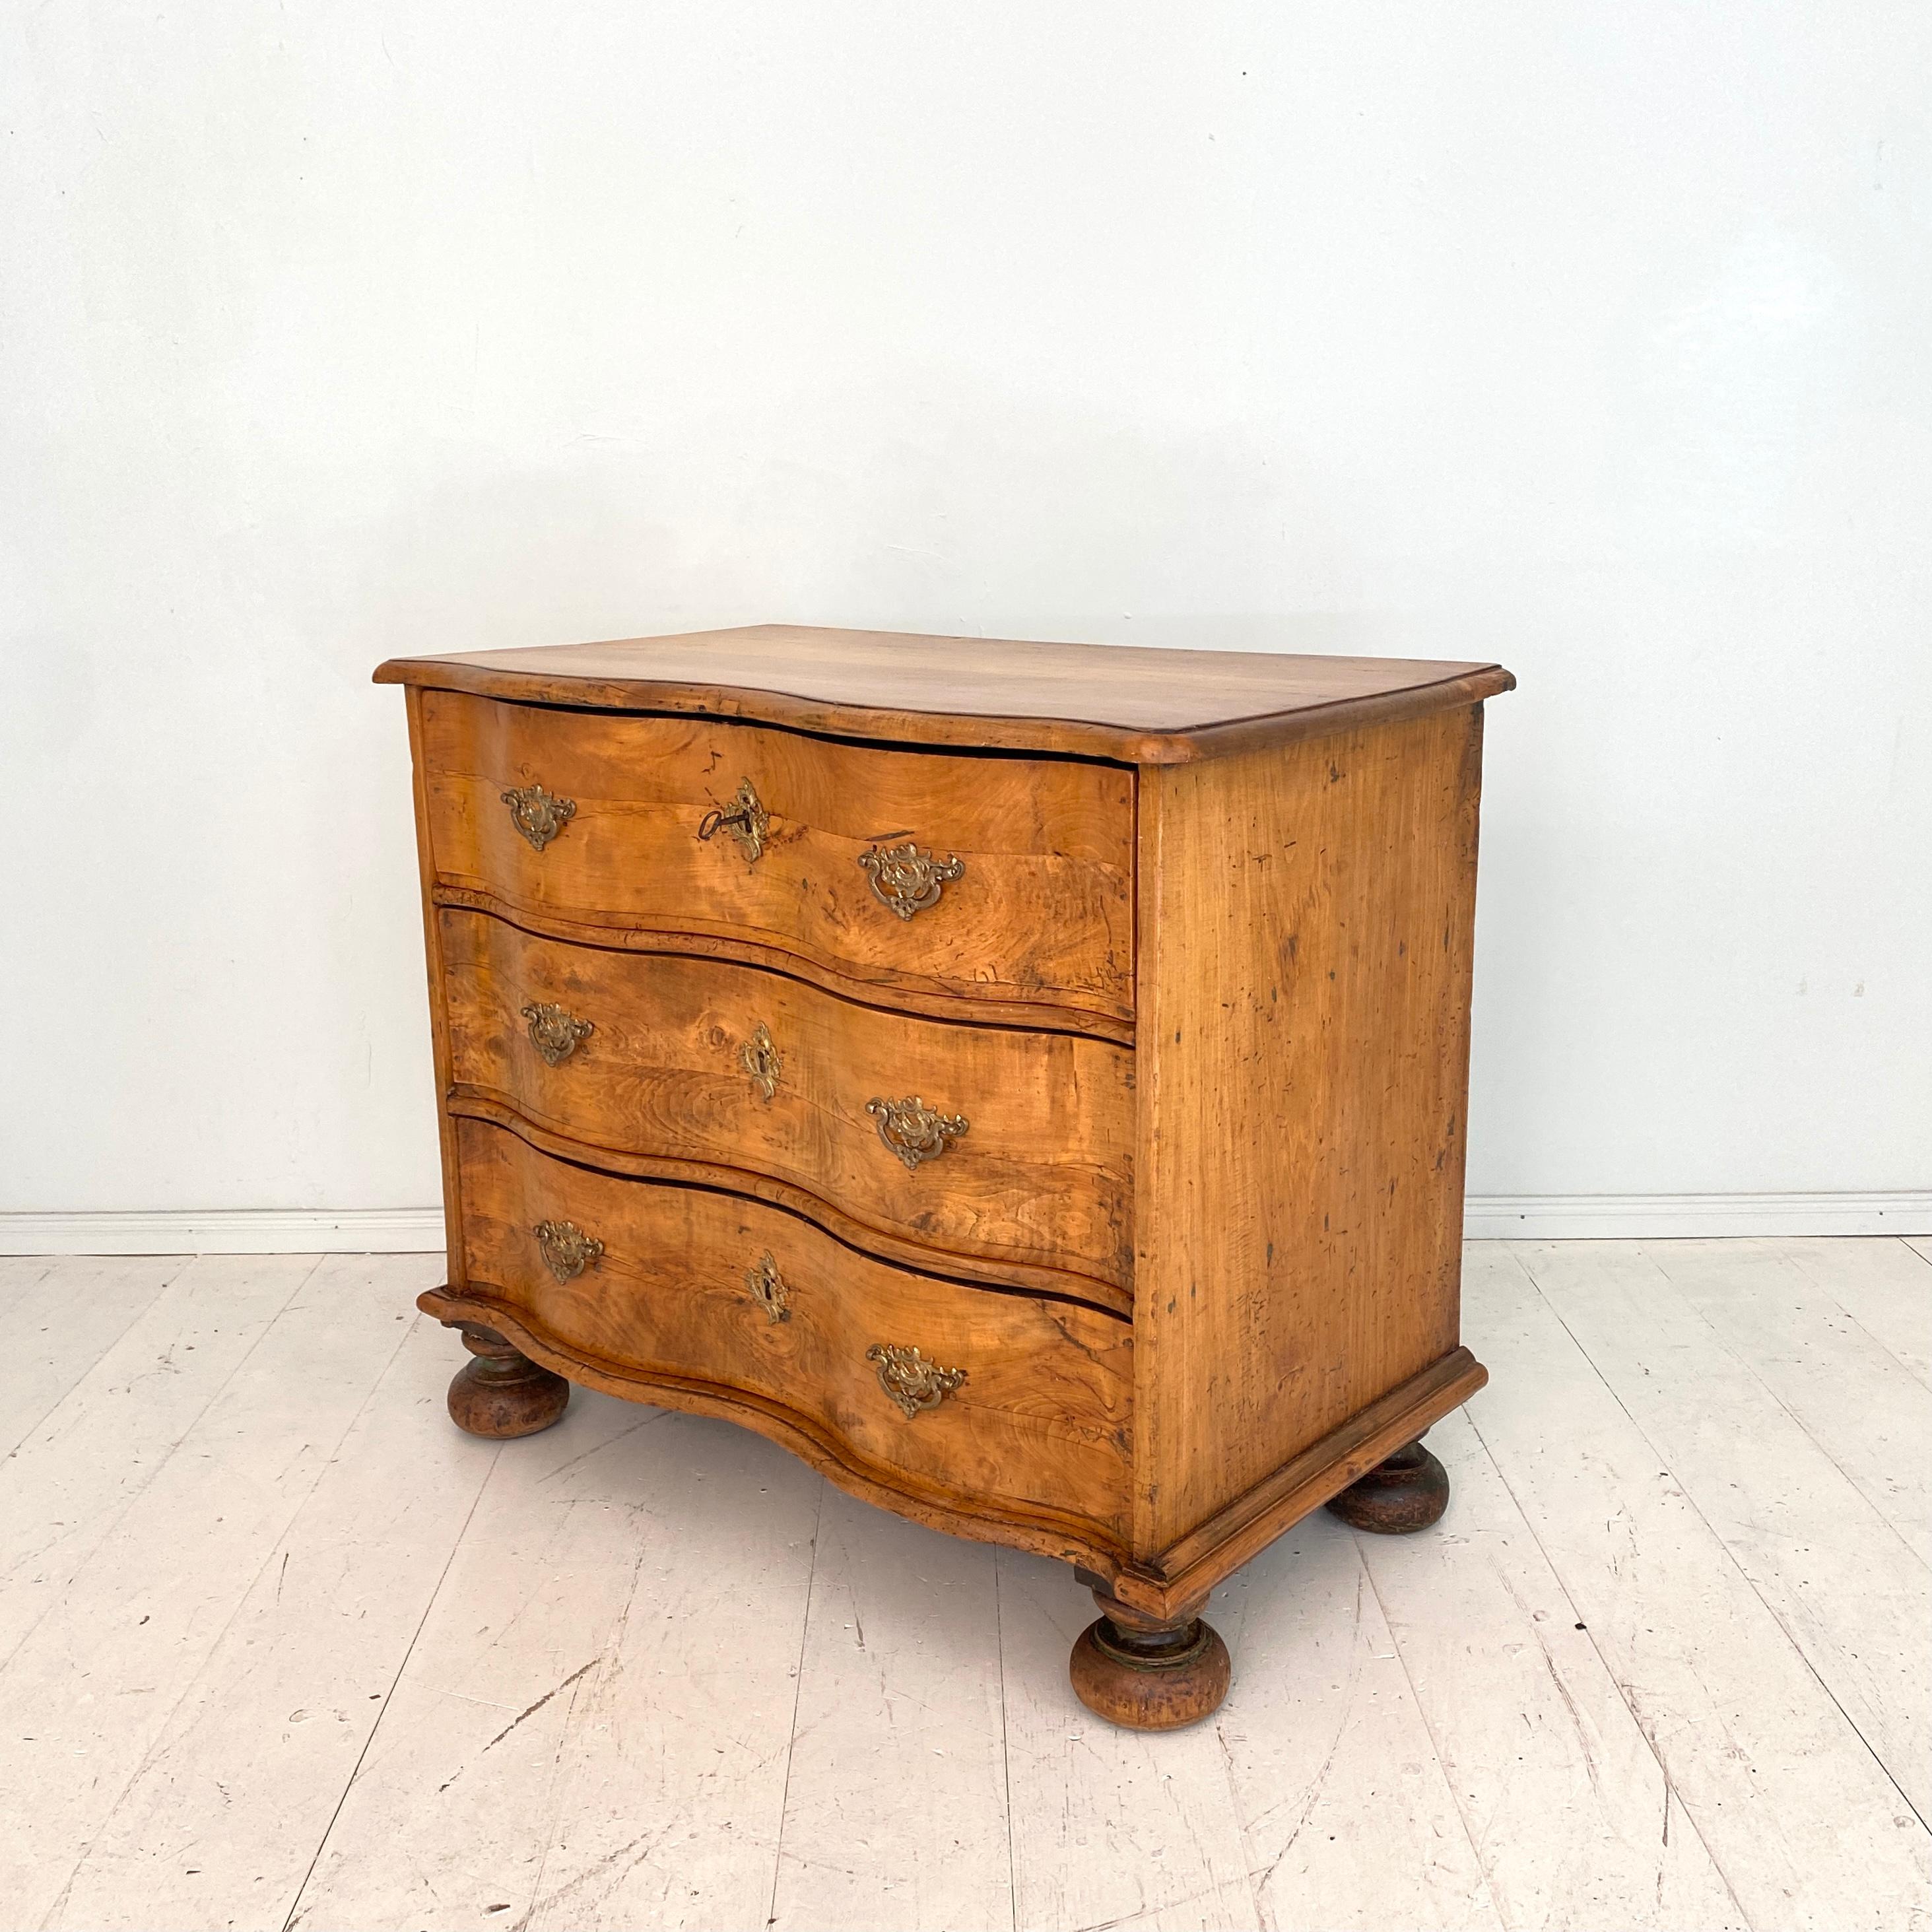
(1026, 1081)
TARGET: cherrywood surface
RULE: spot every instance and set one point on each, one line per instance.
(1141, 705)
(1042, 1176)
(1306, 928)
(1042, 1418)
(1043, 915)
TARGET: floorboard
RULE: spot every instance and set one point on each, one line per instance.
(61, 1317)
(1806, 1827)
(1885, 1286)
(65, 1487)
(672, 1773)
(896, 1812)
(449, 1812)
(88, 1693)
(1573, 1817)
(1347, 1814)
(1862, 1406)
(238, 1790)
(1845, 1587)
(593, 1725)
(281, 1648)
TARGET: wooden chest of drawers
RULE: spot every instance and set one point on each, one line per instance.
(1027, 1081)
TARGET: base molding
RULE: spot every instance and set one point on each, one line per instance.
(228, 1231)
(1183, 1574)
(1486, 1217)
(1660, 1217)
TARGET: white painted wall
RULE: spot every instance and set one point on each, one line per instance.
(1590, 337)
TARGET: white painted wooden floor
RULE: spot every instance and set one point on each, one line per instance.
(282, 1648)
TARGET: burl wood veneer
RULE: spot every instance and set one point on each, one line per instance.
(1026, 1081)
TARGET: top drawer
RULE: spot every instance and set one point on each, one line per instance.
(816, 847)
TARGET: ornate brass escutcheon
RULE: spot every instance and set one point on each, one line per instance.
(744, 818)
(554, 1033)
(912, 1130)
(768, 1287)
(537, 815)
(567, 1249)
(910, 1379)
(761, 1058)
(907, 880)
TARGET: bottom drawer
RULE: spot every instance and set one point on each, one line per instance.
(979, 1396)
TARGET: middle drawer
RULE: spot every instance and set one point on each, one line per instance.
(1012, 1145)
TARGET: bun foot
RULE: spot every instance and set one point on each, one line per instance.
(503, 1392)
(1146, 1675)
(1407, 1493)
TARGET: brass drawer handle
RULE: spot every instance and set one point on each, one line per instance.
(913, 1131)
(537, 815)
(744, 818)
(567, 1249)
(761, 1058)
(768, 1287)
(910, 1379)
(555, 1033)
(905, 880)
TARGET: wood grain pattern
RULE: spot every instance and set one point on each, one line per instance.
(1305, 922)
(1186, 1570)
(1056, 1284)
(1141, 705)
(1041, 1420)
(741, 950)
(1043, 914)
(1042, 1176)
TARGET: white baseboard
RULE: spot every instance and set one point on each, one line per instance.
(1488, 1217)
(1656, 1217)
(232, 1231)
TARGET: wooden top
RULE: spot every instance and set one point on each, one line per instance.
(1143, 705)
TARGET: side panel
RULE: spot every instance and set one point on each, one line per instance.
(439, 1014)
(1306, 914)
